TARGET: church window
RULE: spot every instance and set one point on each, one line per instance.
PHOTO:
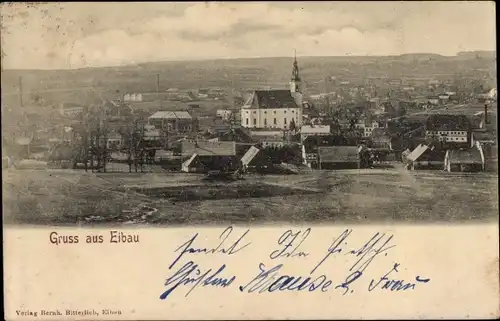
(265, 121)
(275, 121)
(247, 121)
(284, 121)
(254, 121)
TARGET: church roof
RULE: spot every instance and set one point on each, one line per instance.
(273, 99)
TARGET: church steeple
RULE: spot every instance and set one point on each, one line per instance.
(295, 71)
(295, 81)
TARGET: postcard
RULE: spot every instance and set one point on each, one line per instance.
(249, 160)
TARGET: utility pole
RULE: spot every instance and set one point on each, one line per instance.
(485, 114)
(21, 91)
(157, 83)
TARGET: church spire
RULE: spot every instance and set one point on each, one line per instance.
(295, 71)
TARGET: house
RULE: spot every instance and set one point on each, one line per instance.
(490, 152)
(151, 133)
(483, 137)
(490, 96)
(444, 98)
(433, 100)
(132, 97)
(484, 121)
(308, 130)
(464, 160)
(236, 134)
(173, 121)
(268, 137)
(276, 109)
(70, 109)
(380, 139)
(338, 157)
(206, 155)
(224, 114)
(206, 148)
(448, 129)
(114, 141)
(369, 127)
(344, 123)
(425, 157)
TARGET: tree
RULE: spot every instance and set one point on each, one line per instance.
(292, 125)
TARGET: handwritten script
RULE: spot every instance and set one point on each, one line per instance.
(342, 265)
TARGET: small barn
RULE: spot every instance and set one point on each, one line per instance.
(338, 157)
(464, 160)
(204, 156)
(424, 157)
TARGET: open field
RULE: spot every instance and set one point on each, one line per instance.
(66, 197)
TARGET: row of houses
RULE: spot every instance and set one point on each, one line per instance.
(229, 155)
(452, 160)
(175, 94)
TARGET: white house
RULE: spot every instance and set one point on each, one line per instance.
(224, 114)
(369, 127)
(448, 128)
(132, 97)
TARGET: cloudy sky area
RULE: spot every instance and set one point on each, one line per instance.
(76, 35)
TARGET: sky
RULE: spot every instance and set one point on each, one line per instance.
(78, 35)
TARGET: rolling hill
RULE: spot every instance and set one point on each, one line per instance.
(91, 84)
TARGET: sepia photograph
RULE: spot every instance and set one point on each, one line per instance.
(144, 116)
(249, 160)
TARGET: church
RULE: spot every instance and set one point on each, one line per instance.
(275, 109)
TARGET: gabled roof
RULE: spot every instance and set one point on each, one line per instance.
(484, 136)
(237, 135)
(447, 122)
(432, 155)
(311, 130)
(465, 156)
(171, 115)
(271, 99)
(417, 152)
(206, 148)
(338, 154)
(23, 140)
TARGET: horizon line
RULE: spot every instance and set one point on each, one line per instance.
(170, 60)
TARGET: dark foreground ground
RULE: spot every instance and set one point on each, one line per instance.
(67, 197)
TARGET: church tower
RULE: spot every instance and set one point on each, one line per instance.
(295, 82)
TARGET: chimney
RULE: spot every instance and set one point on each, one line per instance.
(21, 91)
(485, 114)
